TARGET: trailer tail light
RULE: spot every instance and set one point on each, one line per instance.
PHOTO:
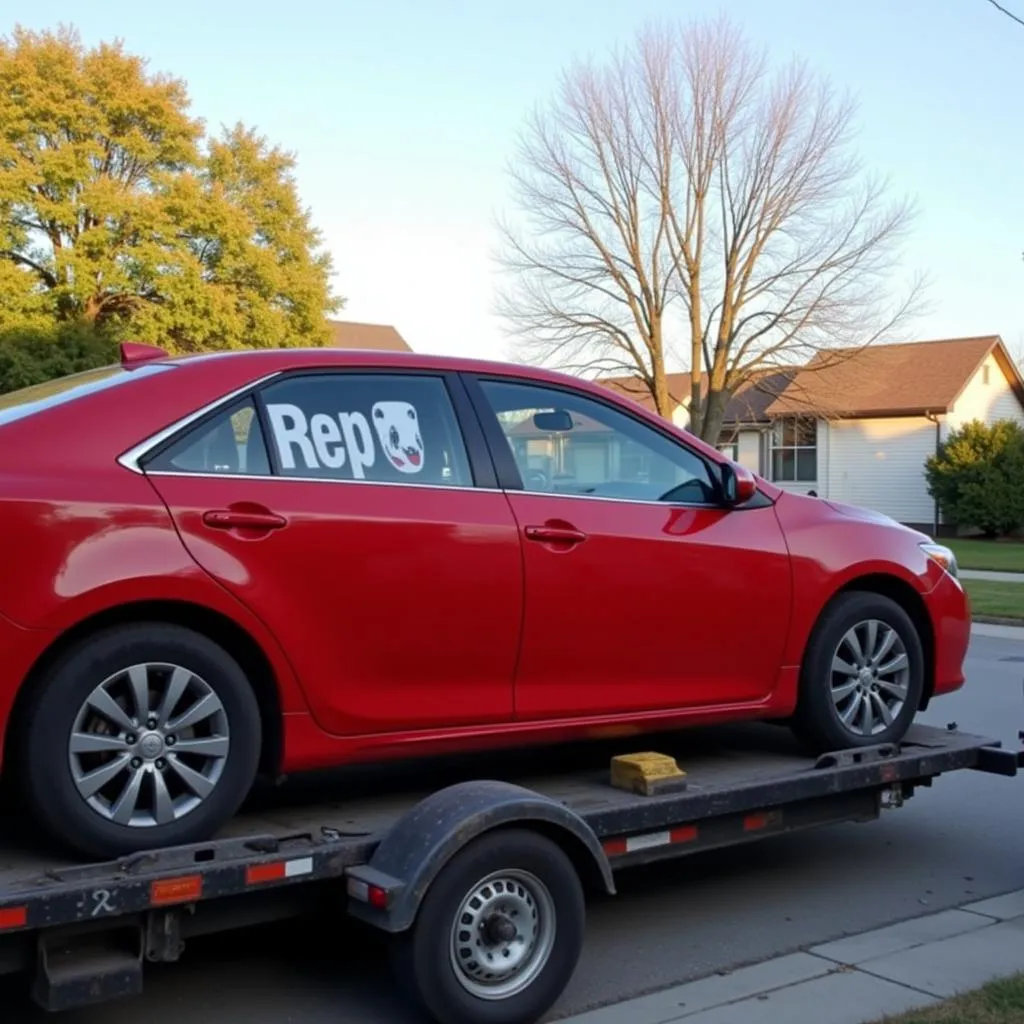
(762, 820)
(278, 871)
(375, 895)
(186, 889)
(13, 917)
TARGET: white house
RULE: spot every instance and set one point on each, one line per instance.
(858, 425)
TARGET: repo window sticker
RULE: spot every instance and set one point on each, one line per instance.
(398, 430)
(331, 442)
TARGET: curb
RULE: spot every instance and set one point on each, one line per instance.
(856, 979)
(998, 630)
(998, 620)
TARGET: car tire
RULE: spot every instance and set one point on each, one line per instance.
(426, 959)
(177, 778)
(852, 696)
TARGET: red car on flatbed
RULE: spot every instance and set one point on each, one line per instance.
(274, 561)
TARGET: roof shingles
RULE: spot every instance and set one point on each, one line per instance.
(376, 337)
(884, 380)
(874, 381)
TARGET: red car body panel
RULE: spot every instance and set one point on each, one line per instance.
(665, 562)
(434, 626)
(419, 616)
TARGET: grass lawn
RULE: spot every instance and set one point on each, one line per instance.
(1001, 1002)
(1001, 600)
(1004, 556)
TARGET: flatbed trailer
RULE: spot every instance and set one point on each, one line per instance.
(480, 882)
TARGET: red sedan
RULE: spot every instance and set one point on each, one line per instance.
(273, 561)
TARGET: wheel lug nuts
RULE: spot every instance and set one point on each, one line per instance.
(130, 739)
(136, 762)
(161, 764)
(171, 740)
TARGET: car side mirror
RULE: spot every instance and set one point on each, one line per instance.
(553, 422)
(738, 484)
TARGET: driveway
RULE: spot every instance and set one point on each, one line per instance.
(963, 839)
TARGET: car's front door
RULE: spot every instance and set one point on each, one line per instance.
(643, 592)
(342, 508)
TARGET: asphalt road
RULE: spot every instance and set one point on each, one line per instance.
(962, 840)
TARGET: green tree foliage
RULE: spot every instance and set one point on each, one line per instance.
(119, 218)
(977, 477)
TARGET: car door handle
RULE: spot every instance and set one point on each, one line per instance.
(555, 534)
(237, 519)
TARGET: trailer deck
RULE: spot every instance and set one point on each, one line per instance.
(742, 783)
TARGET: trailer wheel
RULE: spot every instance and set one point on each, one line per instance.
(498, 934)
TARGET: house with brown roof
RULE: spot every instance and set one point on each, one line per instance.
(858, 425)
(377, 337)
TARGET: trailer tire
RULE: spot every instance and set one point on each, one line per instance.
(191, 681)
(841, 677)
(460, 960)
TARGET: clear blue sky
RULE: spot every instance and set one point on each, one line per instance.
(403, 112)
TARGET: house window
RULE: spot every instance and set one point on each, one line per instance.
(729, 443)
(794, 444)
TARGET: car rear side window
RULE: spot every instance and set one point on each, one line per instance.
(230, 443)
(373, 427)
(16, 405)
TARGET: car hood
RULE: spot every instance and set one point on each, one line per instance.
(869, 515)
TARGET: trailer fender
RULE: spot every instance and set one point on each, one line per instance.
(387, 891)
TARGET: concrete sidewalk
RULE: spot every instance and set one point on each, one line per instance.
(855, 980)
(992, 575)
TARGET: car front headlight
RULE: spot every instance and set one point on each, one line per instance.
(944, 556)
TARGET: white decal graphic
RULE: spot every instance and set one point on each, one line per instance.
(322, 440)
(398, 429)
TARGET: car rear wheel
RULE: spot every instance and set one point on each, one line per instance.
(139, 737)
(862, 677)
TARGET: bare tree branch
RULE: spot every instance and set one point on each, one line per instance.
(1009, 14)
(683, 192)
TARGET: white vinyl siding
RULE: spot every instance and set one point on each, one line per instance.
(879, 464)
(748, 445)
(983, 401)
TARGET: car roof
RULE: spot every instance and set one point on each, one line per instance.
(268, 360)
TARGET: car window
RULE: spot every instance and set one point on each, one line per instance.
(230, 443)
(374, 427)
(566, 443)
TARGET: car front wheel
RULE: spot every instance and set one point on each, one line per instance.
(863, 675)
(141, 736)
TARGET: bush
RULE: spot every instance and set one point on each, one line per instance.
(35, 354)
(977, 477)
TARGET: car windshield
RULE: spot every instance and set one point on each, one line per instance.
(16, 405)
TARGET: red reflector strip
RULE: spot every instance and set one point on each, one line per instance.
(186, 889)
(13, 917)
(278, 871)
(649, 840)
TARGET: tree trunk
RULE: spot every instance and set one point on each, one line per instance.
(714, 414)
(662, 399)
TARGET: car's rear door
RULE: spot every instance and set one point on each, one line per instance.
(345, 508)
(643, 592)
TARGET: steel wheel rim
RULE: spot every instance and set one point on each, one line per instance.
(503, 934)
(149, 745)
(870, 677)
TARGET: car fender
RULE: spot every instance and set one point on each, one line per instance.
(187, 585)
